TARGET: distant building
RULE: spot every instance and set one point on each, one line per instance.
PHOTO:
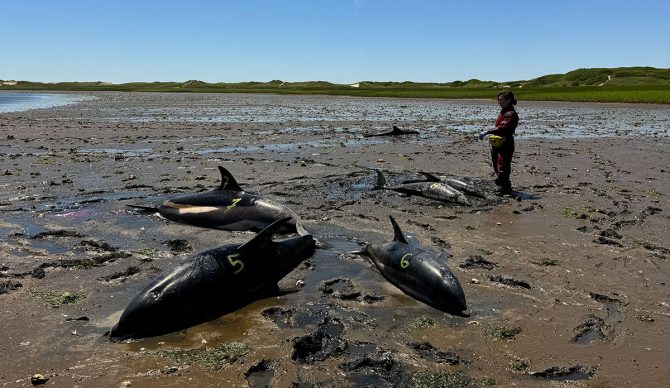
(8, 83)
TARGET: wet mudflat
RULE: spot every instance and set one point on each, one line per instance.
(567, 286)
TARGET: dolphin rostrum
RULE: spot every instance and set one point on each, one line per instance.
(431, 190)
(227, 207)
(418, 273)
(395, 132)
(212, 283)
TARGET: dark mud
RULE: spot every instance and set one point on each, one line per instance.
(580, 249)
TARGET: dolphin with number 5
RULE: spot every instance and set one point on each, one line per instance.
(227, 207)
(418, 273)
(213, 283)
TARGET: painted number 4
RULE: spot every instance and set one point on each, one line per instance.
(234, 261)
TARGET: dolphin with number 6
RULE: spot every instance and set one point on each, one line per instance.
(213, 283)
(418, 273)
(227, 207)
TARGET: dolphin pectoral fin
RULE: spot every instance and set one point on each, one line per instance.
(264, 237)
(143, 209)
(228, 182)
(398, 235)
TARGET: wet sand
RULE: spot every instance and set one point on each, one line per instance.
(580, 261)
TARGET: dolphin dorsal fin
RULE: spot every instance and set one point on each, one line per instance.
(396, 130)
(264, 237)
(381, 181)
(429, 176)
(227, 181)
(398, 235)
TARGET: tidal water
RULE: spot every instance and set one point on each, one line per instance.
(18, 102)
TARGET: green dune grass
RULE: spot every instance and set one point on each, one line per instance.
(624, 85)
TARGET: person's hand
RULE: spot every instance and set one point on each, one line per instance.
(482, 134)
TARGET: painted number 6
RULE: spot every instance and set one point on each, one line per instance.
(404, 263)
(234, 262)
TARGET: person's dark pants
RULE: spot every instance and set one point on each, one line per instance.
(502, 165)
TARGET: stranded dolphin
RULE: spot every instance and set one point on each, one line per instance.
(395, 132)
(457, 184)
(418, 273)
(431, 190)
(212, 283)
(227, 207)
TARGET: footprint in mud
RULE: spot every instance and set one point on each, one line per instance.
(121, 276)
(281, 316)
(592, 329)
(367, 365)
(657, 250)
(477, 261)
(509, 281)
(573, 372)
(178, 245)
(345, 289)
(9, 285)
(326, 342)
(596, 328)
(430, 353)
(56, 233)
(261, 373)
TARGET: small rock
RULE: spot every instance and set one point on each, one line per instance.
(38, 379)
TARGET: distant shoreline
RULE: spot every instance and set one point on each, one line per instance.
(520, 97)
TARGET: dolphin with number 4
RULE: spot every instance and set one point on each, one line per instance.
(431, 190)
(213, 283)
(418, 273)
(457, 184)
(227, 207)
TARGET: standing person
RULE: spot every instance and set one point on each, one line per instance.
(502, 141)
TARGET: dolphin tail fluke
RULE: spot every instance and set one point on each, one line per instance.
(398, 234)
(144, 209)
(300, 229)
(228, 182)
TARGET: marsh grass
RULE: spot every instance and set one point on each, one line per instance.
(422, 322)
(653, 88)
(574, 214)
(56, 299)
(499, 333)
(212, 359)
(448, 379)
(441, 380)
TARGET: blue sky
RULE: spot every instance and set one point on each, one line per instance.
(342, 41)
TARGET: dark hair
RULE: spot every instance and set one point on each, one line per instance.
(509, 95)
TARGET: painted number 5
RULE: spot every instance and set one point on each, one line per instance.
(404, 263)
(234, 261)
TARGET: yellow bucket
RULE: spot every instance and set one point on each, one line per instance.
(496, 141)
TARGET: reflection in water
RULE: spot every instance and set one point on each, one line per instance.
(19, 102)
